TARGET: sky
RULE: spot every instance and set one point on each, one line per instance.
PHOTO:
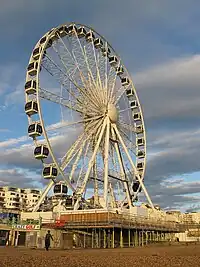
(159, 43)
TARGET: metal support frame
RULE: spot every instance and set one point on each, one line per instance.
(133, 166)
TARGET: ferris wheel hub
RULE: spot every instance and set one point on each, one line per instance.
(112, 113)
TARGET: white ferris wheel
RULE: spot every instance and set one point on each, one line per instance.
(85, 120)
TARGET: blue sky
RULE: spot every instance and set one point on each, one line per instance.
(158, 41)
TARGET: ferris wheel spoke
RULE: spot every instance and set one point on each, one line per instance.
(90, 90)
(63, 124)
(60, 73)
(69, 156)
(54, 70)
(127, 138)
(133, 166)
(106, 163)
(122, 168)
(124, 110)
(75, 164)
(128, 127)
(47, 95)
(82, 91)
(90, 165)
(84, 165)
(122, 90)
(98, 80)
(66, 158)
(111, 95)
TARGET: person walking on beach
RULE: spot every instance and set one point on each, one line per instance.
(48, 239)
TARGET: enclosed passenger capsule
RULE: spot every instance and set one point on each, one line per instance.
(133, 104)
(113, 60)
(36, 53)
(50, 172)
(119, 70)
(140, 141)
(125, 81)
(136, 186)
(31, 108)
(43, 40)
(62, 31)
(41, 152)
(81, 32)
(130, 92)
(140, 154)
(137, 116)
(105, 51)
(60, 189)
(30, 87)
(71, 29)
(140, 166)
(32, 68)
(139, 129)
(35, 129)
(89, 37)
(98, 43)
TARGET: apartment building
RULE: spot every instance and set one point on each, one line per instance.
(18, 198)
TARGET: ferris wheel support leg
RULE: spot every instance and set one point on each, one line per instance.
(133, 166)
(106, 162)
(90, 165)
(122, 169)
(45, 192)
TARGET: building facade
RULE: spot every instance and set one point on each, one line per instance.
(17, 198)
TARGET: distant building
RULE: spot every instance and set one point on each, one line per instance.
(17, 198)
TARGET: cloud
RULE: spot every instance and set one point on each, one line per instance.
(170, 91)
(18, 177)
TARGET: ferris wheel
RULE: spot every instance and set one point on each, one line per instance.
(85, 119)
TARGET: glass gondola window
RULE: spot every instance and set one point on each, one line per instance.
(45, 151)
(38, 150)
(57, 188)
(28, 105)
(35, 105)
(54, 171)
(31, 128)
(47, 171)
(39, 128)
(64, 189)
